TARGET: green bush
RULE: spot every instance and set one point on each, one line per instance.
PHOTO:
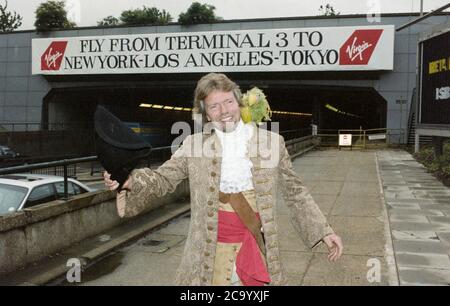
(440, 166)
(198, 13)
(108, 22)
(52, 15)
(146, 15)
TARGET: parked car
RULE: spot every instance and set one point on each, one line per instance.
(19, 191)
(6, 152)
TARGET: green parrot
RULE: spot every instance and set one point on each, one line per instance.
(255, 108)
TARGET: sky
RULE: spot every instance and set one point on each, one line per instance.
(88, 12)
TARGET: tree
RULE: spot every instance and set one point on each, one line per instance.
(328, 10)
(9, 21)
(198, 13)
(52, 15)
(146, 15)
(164, 17)
(108, 21)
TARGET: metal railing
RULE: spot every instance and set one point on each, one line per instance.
(297, 133)
(361, 138)
(67, 167)
(6, 127)
(65, 164)
(38, 126)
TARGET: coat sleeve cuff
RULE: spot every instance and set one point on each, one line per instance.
(125, 197)
(121, 203)
(318, 239)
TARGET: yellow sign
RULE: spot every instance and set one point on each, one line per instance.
(439, 65)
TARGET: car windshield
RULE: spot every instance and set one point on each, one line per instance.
(11, 197)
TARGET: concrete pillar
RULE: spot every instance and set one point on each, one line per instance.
(416, 142)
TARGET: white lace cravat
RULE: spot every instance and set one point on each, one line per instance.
(236, 175)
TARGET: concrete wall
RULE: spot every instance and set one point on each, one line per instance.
(21, 94)
(34, 233)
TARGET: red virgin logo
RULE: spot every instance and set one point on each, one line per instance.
(52, 57)
(358, 48)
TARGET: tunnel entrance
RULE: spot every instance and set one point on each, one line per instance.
(335, 107)
(295, 107)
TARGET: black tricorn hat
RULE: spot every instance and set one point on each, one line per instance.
(118, 148)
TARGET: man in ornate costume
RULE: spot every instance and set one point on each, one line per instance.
(235, 170)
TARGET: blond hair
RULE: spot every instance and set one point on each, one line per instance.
(208, 84)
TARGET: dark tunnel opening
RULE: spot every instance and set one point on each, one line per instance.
(329, 107)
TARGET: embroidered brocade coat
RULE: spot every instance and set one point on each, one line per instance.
(272, 173)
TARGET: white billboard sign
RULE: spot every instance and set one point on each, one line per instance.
(295, 49)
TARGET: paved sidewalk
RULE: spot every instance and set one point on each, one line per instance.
(346, 186)
(419, 212)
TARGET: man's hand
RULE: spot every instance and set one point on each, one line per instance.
(113, 185)
(335, 246)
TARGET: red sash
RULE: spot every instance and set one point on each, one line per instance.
(250, 267)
